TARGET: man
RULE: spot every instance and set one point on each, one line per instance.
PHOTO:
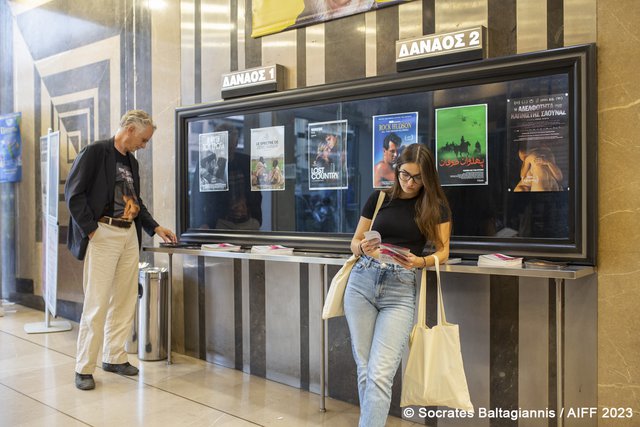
(239, 208)
(107, 214)
(384, 170)
(326, 154)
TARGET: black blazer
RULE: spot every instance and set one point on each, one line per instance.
(89, 190)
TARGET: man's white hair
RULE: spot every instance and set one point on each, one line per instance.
(138, 118)
(321, 11)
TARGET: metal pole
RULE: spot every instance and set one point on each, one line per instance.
(7, 190)
(323, 340)
(559, 353)
(8, 233)
(169, 298)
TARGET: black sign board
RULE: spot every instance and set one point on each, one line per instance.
(253, 81)
(440, 49)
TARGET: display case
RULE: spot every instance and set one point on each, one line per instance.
(514, 139)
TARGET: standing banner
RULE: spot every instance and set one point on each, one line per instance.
(213, 160)
(51, 215)
(538, 138)
(328, 155)
(273, 16)
(461, 145)
(391, 133)
(10, 148)
(44, 177)
(267, 159)
(50, 177)
(50, 187)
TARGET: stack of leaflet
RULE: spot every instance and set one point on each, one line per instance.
(272, 250)
(545, 265)
(499, 260)
(391, 254)
(226, 247)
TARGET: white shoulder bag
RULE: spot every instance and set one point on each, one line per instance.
(334, 304)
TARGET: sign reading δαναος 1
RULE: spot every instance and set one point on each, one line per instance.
(253, 81)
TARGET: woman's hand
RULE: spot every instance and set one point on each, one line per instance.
(410, 261)
(370, 247)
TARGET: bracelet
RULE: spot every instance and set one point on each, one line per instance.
(424, 259)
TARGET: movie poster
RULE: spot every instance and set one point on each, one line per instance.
(213, 157)
(391, 133)
(538, 143)
(328, 155)
(461, 145)
(10, 148)
(273, 16)
(267, 159)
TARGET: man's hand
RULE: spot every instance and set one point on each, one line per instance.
(131, 208)
(165, 234)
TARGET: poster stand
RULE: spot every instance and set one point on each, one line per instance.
(47, 326)
(50, 149)
(4, 303)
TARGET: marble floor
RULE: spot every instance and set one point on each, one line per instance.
(37, 389)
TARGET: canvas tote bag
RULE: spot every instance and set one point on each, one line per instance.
(434, 375)
(334, 304)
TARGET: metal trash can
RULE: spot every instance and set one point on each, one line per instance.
(152, 316)
(131, 345)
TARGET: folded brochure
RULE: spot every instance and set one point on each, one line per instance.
(271, 249)
(391, 253)
(220, 247)
(499, 260)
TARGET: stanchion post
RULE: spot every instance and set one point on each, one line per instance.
(323, 339)
(169, 307)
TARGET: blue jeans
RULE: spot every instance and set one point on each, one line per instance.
(379, 305)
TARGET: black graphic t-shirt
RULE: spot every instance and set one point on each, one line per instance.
(124, 189)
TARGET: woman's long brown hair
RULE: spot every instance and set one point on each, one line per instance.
(431, 199)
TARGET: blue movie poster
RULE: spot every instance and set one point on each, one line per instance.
(391, 133)
(10, 148)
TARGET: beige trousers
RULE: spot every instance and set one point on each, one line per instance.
(110, 282)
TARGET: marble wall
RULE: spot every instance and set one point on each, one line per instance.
(98, 59)
(619, 213)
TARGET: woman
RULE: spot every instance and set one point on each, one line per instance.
(259, 172)
(275, 176)
(539, 171)
(380, 298)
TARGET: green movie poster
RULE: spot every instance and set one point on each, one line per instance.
(461, 145)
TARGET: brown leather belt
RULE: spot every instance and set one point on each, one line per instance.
(122, 223)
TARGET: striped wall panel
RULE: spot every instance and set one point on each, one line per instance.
(507, 329)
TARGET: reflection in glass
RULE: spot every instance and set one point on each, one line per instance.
(496, 210)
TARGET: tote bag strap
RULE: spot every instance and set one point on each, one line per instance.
(422, 302)
(442, 318)
(378, 205)
(375, 213)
